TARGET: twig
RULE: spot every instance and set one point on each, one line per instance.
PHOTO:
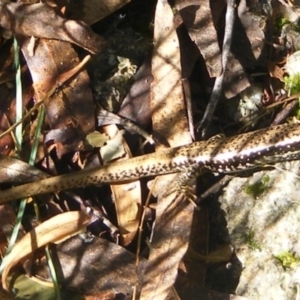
(60, 80)
(217, 89)
(12, 127)
(105, 117)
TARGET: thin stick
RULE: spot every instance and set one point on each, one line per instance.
(12, 127)
(61, 79)
(217, 89)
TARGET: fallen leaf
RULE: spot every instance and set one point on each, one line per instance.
(173, 219)
(94, 266)
(55, 65)
(40, 20)
(113, 149)
(16, 171)
(93, 10)
(275, 71)
(136, 105)
(96, 139)
(200, 21)
(59, 227)
(127, 196)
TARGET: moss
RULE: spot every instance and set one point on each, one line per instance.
(292, 83)
(250, 240)
(258, 187)
(281, 21)
(288, 259)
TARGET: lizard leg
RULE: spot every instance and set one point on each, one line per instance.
(186, 180)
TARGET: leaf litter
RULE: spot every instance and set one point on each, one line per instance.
(139, 56)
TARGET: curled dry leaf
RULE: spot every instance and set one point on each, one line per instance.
(93, 267)
(127, 195)
(14, 170)
(56, 229)
(54, 63)
(40, 20)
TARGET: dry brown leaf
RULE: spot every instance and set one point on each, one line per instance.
(192, 270)
(173, 220)
(200, 23)
(136, 105)
(167, 99)
(127, 197)
(40, 20)
(98, 265)
(16, 171)
(275, 71)
(56, 229)
(53, 63)
(249, 34)
(203, 20)
(94, 10)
